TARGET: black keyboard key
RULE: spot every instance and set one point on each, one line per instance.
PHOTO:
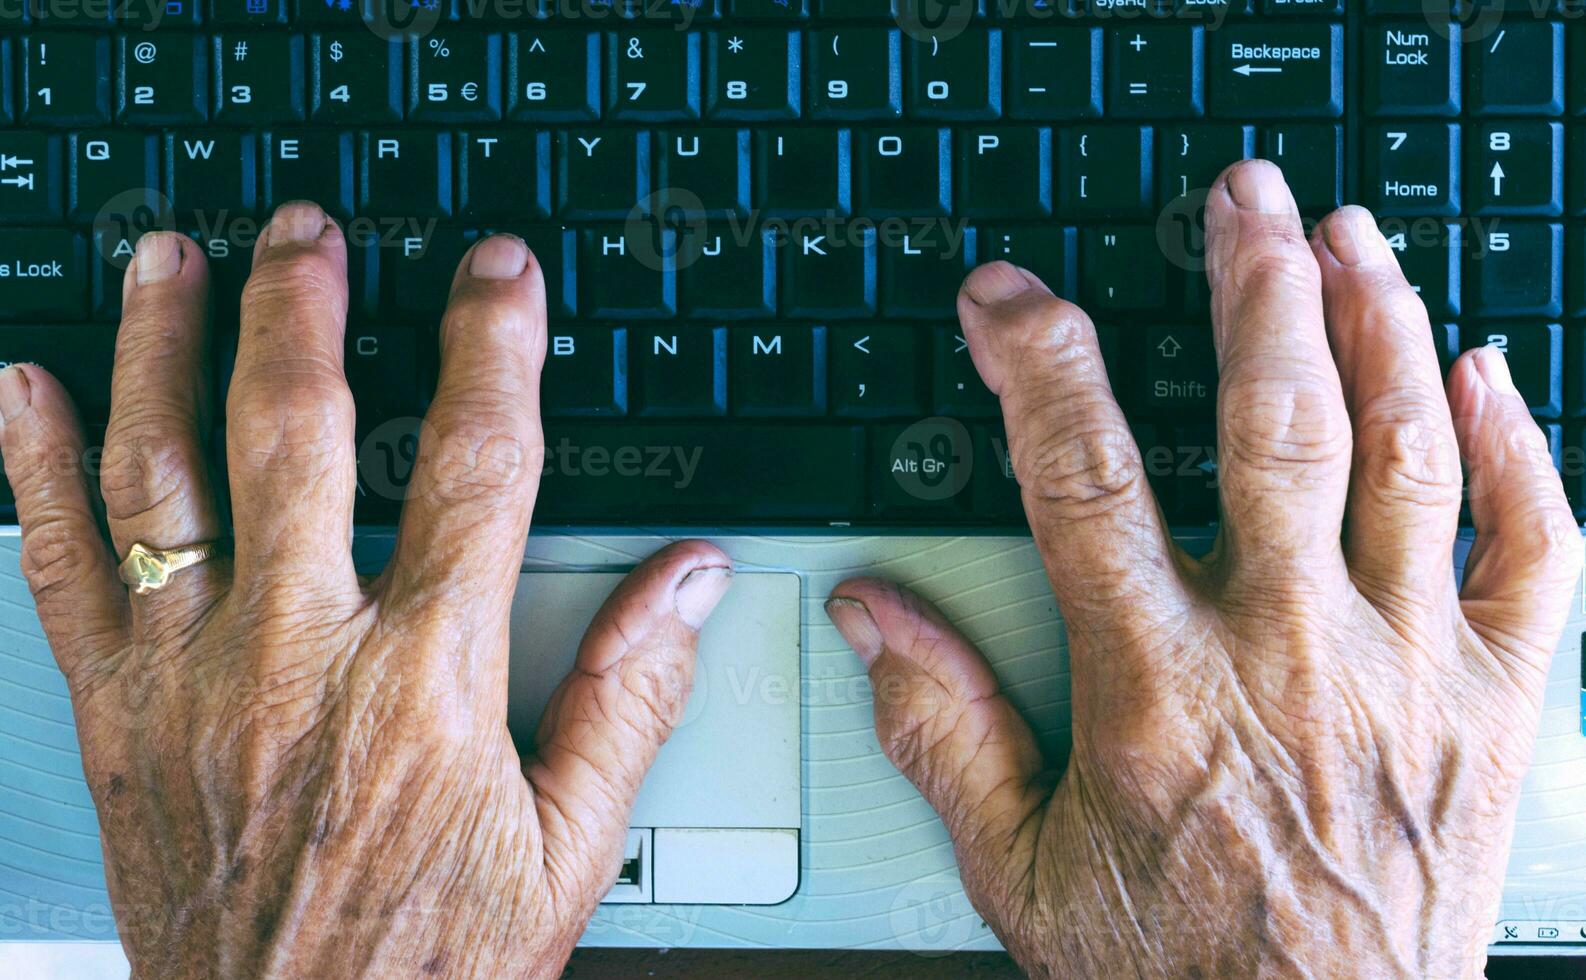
(7, 102)
(253, 13)
(1312, 158)
(1277, 69)
(504, 175)
(416, 271)
(875, 370)
(65, 80)
(696, 473)
(309, 165)
(1516, 269)
(778, 370)
(258, 78)
(729, 274)
(79, 355)
(753, 74)
(406, 172)
(1515, 168)
(601, 173)
(210, 173)
(1518, 70)
(586, 372)
(1411, 169)
(956, 74)
(1191, 158)
(43, 274)
(1535, 352)
(355, 78)
(1123, 268)
(803, 172)
(1412, 70)
(703, 172)
(855, 73)
(114, 173)
(1104, 171)
(553, 76)
(1180, 370)
(906, 172)
(628, 271)
(679, 371)
(922, 268)
(31, 189)
(228, 251)
(994, 487)
(164, 79)
(652, 76)
(921, 470)
(1048, 251)
(1429, 254)
(956, 387)
(830, 275)
(1054, 73)
(454, 77)
(382, 365)
(1155, 71)
(1005, 172)
(555, 247)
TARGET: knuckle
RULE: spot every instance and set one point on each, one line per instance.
(1404, 453)
(1283, 415)
(1388, 302)
(54, 558)
(303, 278)
(657, 686)
(1087, 464)
(478, 454)
(1274, 261)
(142, 467)
(298, 417)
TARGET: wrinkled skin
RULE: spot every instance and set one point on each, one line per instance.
(299, 773)
(1301, 754)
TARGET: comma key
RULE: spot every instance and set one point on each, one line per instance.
(43, 274)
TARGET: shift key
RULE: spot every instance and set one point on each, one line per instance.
(1181, 369)
(43, 274)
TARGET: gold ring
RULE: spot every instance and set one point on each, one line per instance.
(148, 569)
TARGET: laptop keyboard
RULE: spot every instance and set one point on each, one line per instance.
(754, 215)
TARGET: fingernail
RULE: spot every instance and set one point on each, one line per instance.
(1352, 236)
(499, 257)
(158, 256)
(699, 592)
(297, 221)
(857, 626)
(1257, 185)
(997, 281)
(1494, 369)
(15, 393)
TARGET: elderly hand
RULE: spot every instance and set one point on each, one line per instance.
(297, 772)
(1300, 755)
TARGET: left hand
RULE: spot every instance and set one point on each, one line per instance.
(298, 772)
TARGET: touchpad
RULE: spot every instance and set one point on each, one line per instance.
(717, 820)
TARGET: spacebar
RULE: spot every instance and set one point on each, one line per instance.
(624, 472)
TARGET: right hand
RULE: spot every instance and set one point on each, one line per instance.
(1300, 755)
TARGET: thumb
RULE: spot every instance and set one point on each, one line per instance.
(943, 722)
(603, 726)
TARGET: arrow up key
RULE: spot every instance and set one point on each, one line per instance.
(1282, 70)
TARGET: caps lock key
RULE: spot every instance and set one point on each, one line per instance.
(43, 274)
